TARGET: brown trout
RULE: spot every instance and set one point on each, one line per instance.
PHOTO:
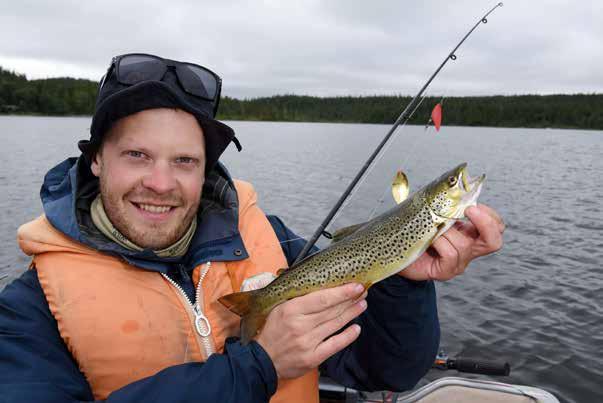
(366, 253)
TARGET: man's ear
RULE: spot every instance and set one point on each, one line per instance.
(96, 164)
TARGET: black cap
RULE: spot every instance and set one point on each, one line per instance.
(116, 100)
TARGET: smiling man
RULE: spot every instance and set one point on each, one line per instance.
(146, 230)
(149, 183)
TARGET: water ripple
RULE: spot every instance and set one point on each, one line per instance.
(536, 303)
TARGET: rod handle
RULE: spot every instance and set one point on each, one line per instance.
(470, 365)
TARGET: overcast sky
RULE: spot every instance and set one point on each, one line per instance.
(320, 47)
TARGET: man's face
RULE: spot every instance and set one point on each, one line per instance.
(151, 169)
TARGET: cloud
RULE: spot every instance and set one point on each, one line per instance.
(317, 47)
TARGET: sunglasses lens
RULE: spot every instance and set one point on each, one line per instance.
(198, 81)
(134, 69)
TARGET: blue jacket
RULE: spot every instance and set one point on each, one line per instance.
(397, 345)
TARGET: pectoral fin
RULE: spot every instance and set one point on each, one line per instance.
(258, 281)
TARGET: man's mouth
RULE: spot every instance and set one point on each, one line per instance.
(154, 208)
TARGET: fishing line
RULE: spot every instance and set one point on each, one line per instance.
(362, 180)
(402, 119)
(377, 159)
(402, 164)
(381, 154)
(409, 152)
(292, 240)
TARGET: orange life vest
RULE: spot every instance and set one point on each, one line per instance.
(122, 323)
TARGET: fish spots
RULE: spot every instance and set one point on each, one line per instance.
(374, 251)
(130, 326)
(365, 256)
(442, 203)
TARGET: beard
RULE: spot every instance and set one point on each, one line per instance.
(146, 234)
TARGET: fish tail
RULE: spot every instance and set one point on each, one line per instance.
(252, 318)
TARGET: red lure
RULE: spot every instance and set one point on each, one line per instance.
(436, 116)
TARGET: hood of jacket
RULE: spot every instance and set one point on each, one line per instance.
(70, 187)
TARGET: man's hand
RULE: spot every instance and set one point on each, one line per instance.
(296, 333)
(450, 254)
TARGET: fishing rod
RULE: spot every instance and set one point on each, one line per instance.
(402, 119)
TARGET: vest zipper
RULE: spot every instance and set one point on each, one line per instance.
(200, 321)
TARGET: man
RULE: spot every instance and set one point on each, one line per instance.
(146, 230)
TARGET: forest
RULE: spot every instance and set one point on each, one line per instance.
(69, 97)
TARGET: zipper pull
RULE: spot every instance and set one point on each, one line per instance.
(200, 318)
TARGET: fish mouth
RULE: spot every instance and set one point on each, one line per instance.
(470, 189)
(467, 183)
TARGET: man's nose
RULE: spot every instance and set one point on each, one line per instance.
(160, 179)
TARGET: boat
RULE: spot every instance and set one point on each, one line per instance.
(443, 390)
(447, 389)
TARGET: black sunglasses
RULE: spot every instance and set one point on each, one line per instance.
(134, 68)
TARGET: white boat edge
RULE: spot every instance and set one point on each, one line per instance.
(427, 391)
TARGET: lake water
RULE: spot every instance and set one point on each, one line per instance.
(535, 304)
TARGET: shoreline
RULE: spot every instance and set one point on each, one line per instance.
(36, 115)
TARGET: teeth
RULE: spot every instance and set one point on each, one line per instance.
(155, 209)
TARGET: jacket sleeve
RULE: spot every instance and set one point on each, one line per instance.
(35, 365)
(398, 342)
(400, 331)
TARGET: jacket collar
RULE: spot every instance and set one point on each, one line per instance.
(70, 187)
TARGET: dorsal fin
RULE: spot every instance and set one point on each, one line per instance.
(400, 188)
(345, 231)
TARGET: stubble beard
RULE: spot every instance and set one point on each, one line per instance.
(154, 236)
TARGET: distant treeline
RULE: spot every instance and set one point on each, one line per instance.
(67, 96)
(562, 111)
(52, 96)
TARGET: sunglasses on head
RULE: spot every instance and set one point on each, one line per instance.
(195, 80)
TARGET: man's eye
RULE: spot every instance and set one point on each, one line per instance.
(135, 154)
(185, 160)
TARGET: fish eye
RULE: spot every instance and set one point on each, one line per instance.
(452, 180)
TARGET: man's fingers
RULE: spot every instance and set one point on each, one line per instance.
(336, 343)
(462, 246)
(487, 227)
(334, 311)
(328, 327)
(492, 213)
(450, 262)
(322, 300)
(444, 248)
